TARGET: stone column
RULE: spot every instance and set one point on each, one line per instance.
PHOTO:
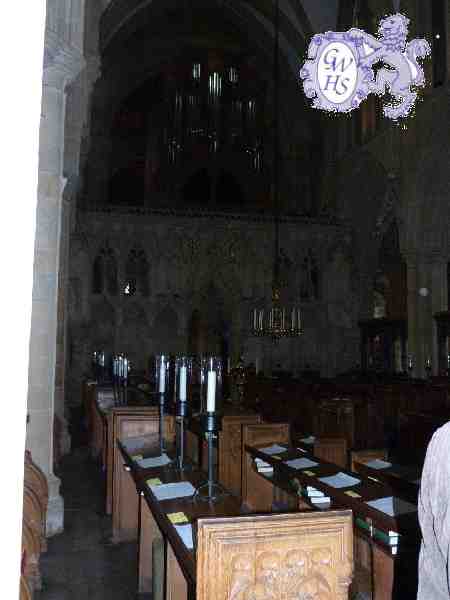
(61, 63)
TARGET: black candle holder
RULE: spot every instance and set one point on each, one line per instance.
(181, 416)
(161, 422)
(211, 490)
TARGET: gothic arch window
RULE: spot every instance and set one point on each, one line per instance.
(136, 273)
(104, 272)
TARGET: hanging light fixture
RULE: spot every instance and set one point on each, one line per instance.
(277, 320)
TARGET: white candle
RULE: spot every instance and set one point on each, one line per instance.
(211, 393)
(183, 384)
(125, 368)
(162, 376)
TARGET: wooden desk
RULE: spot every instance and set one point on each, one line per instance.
(404, 480)
(237, 555)
(118, 421)
(373, 557)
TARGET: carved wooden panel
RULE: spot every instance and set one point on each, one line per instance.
(34, 514)
(304, 556)
(230, 450)
(31, 550)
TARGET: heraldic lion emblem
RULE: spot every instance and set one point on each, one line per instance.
(339, 74)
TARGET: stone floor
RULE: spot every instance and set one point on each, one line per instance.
(81, 562)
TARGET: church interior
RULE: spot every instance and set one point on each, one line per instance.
(240, 320)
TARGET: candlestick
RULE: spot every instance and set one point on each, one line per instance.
(183, 384)
(211, 490)
(162, 375)
(211, 392)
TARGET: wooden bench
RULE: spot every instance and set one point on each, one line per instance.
(377, 566)
(35, 503)
(237, 556)
(256, 494)
(129, 425)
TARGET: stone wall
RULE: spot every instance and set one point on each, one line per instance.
(216, 269)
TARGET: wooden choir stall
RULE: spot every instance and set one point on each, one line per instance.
(219, 550)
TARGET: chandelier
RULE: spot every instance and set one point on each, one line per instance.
(278, 320)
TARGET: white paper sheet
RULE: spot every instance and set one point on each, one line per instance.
(309, 440)
(185, 533)
(392, 506)
(378, 464)
(274, 449)
(169, 491)
(300, 463)
(340, 480)
(154, 461)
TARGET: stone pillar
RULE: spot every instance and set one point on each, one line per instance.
(61, 64)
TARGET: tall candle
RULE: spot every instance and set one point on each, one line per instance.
(183, 383)
(162, 376)
(125, 368)
(211, 392)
